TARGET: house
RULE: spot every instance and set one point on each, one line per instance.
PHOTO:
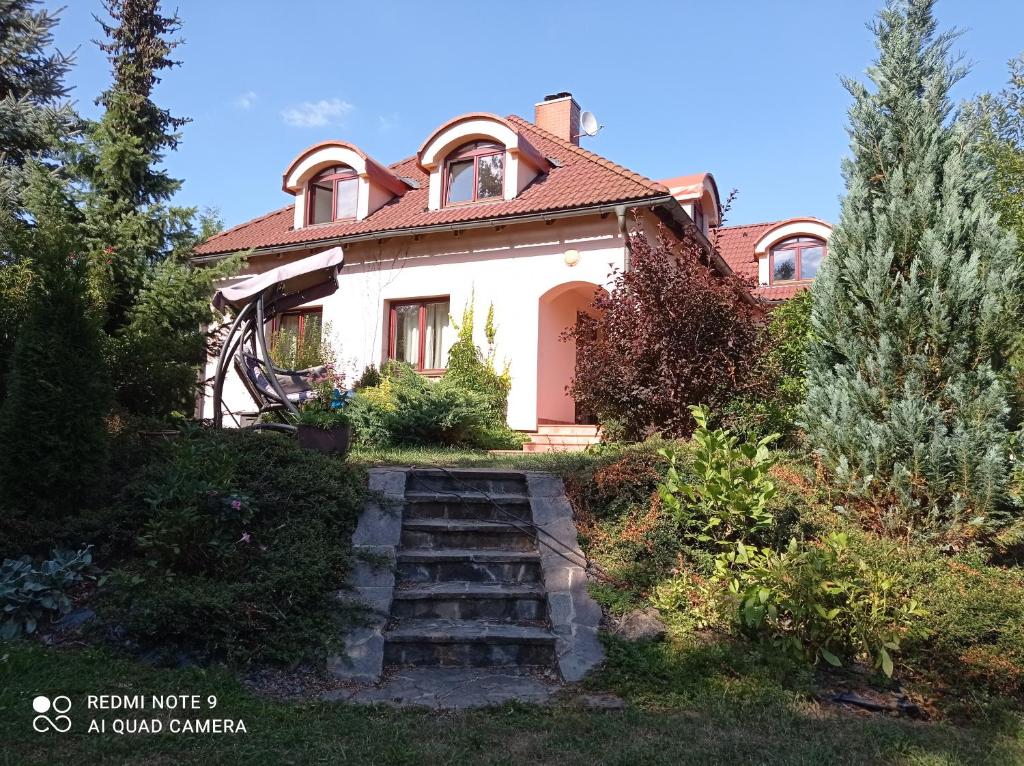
(492, 210)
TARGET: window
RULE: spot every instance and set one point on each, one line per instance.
(417, 333)
(698, 217)
(475, 172)
(333, 194)
(796, 259)
(295, 339)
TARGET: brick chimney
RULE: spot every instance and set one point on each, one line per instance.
(559, 114)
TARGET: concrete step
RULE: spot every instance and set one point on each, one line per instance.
(562, 439)
(472, 601)
(567, 430)
(442, 534)
(468, 643)
(467, 505)
(533, 447)
(470, 565)
(465, 480)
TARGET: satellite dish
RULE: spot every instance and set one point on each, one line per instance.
(588, 124)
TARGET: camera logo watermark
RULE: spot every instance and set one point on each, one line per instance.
(60, 722)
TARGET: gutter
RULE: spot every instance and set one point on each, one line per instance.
(618, 208)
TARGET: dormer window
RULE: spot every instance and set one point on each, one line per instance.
(333, 195)
(796, 259)
(475, 172)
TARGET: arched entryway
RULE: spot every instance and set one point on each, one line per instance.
(556, 358)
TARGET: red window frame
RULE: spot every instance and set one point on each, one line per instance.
(393, 329)
(301, 314)
(335, 175)
(796, 245)
(474, 151)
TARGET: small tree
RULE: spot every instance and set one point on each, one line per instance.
(470, 368)
(917, 305)
(672, 332)
(52, 432)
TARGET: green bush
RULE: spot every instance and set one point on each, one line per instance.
(820, 599)
(31, 592)
(727, 499)
(406, 409)
(241, 542)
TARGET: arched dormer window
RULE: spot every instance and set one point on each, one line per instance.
(796, 259)
(333, 195)
(475, 172)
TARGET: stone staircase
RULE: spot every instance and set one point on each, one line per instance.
(454, 584)
(469, 589)
(561, 438)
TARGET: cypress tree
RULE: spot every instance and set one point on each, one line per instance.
(53, 435)
(916, 305)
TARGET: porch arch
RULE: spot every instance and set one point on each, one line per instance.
(556, 358)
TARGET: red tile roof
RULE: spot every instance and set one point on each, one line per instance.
(580, 178)
(736, 246)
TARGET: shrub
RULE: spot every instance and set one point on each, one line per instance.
(290, 352)
(672, 332)
(242, 542)
(407, 409)
(819, 599)
(781, 371)
(726, 502)
(31, 592)
(470, 369)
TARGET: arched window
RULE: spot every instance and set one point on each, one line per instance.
(333, 194)
(796, 258)
(475, 172)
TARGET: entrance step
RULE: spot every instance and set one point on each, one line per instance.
(442, 534)
(423, 565)
(472, 601)
(468, 643)
(546, 429)
(561, 437)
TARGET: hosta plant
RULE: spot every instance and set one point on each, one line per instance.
(31, 592)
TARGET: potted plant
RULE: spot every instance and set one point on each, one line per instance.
(322, 423)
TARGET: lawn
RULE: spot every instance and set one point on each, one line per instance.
(712, 715)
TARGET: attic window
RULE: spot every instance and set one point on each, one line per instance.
(475, 172)
(333, 194)
(796, 259)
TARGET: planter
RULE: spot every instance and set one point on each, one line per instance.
(335, 441)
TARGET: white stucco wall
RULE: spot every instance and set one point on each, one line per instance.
(511, 266)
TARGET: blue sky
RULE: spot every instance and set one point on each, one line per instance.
(680, 86)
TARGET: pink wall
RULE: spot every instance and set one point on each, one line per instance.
(556, 357)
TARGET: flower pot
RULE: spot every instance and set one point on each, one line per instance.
(334, 441)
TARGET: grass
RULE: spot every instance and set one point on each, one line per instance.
(453, 457)
(686, 706)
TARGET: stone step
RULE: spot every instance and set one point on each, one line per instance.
(533, 447)
(471, 601)
(567, 429)
(434, 505)
(470, 565)
(468, 643)
(442, 534)
(466, 480)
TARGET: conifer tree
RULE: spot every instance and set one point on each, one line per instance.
(53, 435)
(916, 305)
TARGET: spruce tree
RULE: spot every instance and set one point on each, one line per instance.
(128, 205)
(34, 119)
(916, 305)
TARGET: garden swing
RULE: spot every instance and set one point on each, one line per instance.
(255, 301)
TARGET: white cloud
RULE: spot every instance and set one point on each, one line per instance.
(386, 122)
(247, 100)
(315, 114)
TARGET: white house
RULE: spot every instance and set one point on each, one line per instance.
(502, 211)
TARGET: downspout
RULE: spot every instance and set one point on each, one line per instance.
(627, 253)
